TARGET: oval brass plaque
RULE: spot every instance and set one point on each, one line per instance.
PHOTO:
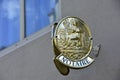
(73, 44)
(73, 39)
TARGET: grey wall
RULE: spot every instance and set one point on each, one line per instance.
(33, 61)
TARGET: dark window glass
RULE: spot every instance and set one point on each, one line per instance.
(9, 22)
(39, 14)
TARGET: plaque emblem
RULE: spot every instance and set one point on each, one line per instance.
(73, 44)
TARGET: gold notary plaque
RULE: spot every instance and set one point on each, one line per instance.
(72, 44)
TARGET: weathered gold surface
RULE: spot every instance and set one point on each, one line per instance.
(72, 38)
(61, 68)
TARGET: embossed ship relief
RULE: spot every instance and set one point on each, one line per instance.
(73, 44)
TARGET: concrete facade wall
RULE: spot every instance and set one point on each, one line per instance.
(33, 61)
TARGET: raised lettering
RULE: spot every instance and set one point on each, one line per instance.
(75, 64)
